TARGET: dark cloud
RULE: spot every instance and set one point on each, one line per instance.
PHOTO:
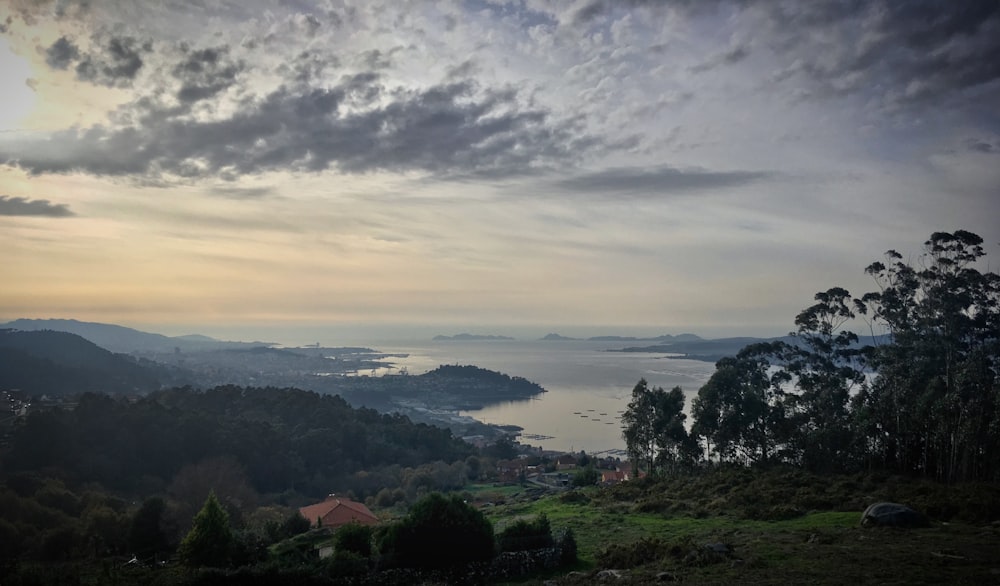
(206, 72)
(311, 24)
(659, 181)
(463, 70)
(19, 206)
(375, 59)
(905, 52)
(116, 65)
(728, 57)
(62, 53)
(308, 66)
(243, 192)
(979, 145)
(901, 52)
(334, 17)
(357, 126)
(590, 11)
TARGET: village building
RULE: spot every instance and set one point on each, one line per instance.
(613, 476)
(336, 511)
(566, 462)
(511, 470)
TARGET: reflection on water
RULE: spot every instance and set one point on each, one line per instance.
(588, 387)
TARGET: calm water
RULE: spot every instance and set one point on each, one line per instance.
(587, 386)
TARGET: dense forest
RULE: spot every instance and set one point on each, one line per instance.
(921, 398)
(73, 477)
(282, 439)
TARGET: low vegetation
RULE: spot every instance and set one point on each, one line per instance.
(772, 526)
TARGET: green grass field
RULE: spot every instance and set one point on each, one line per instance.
(639, 530)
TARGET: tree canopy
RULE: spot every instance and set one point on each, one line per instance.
(439, 531)
(272, 440)
(653, 428)
(920, 396)
(210, 541)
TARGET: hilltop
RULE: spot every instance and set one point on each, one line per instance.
(59, 363)
(122, 339)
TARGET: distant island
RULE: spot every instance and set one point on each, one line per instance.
(666, 338)
(469, 337)
(556, 337)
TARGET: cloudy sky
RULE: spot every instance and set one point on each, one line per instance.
(484, 165)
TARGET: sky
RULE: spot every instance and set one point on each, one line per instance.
(488, 166)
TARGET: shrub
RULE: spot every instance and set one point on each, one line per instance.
(354, 538)
(567, 548)
(586, 477)
(633, 554)
(294, 525)
(575, 497)
(524, 535)
(345, 563)
(438, 532)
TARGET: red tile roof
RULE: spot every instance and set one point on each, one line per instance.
(336, 511)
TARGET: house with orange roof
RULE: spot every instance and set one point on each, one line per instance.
(336, 511)
(613, 476)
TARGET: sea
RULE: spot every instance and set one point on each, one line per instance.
(588, 385)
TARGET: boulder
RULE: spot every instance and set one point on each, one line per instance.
(892, 515)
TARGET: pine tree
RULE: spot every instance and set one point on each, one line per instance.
(210, 541)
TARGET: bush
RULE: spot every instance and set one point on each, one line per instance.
(524, 535)
(354, 538)
(248, 548)
(345, 563)
(146, 536)
(438, 532)
(633, 554)
(294, 525)
(586, 477)
(575, 497)
(567, 548)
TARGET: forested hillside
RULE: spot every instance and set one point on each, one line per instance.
(282, 439)
(121, 339)
(59, 363)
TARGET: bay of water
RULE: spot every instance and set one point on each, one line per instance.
(587, 386)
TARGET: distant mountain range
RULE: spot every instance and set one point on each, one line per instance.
(715, 350)
(663, 338)
(122, 339)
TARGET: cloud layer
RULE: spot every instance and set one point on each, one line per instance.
(20, 206)
(523, 161)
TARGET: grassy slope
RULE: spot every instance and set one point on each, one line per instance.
(812, 546)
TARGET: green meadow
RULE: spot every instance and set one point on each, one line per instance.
(771, 527)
